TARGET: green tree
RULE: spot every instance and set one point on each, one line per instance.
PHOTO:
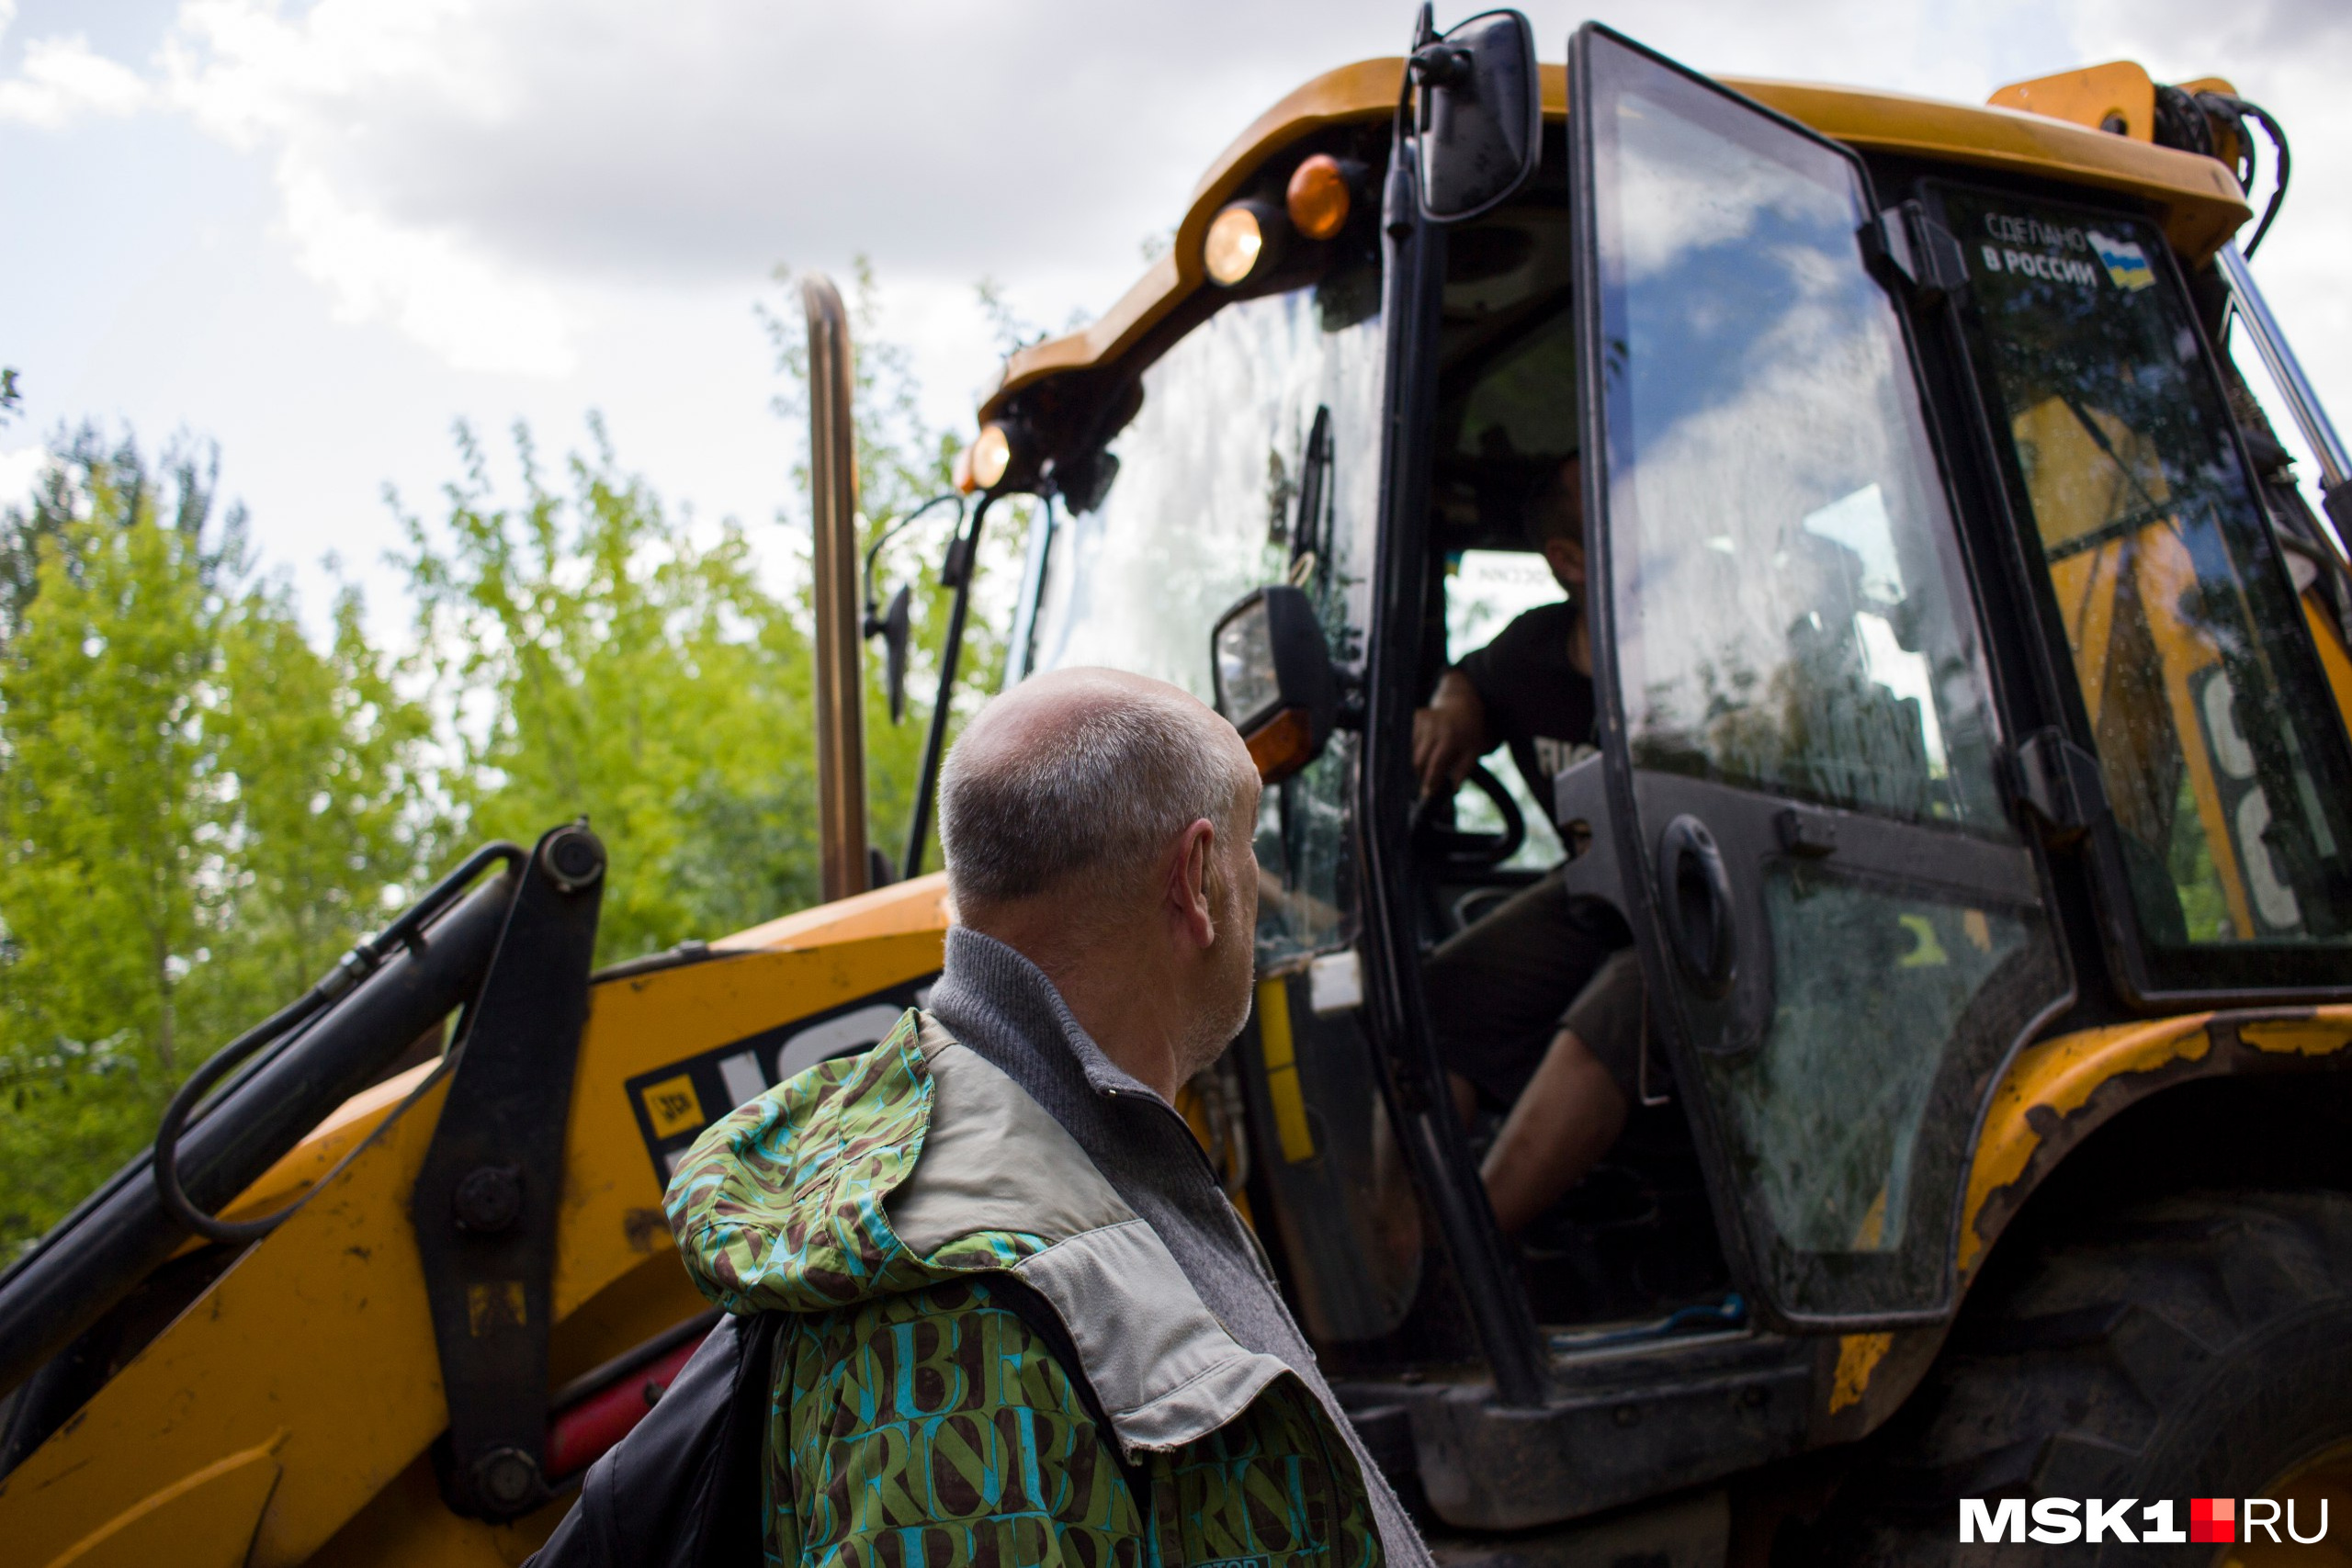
(174, 749)
(336, 817)
(599, 660)
(200, 805)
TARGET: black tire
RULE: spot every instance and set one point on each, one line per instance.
(2195, 1347)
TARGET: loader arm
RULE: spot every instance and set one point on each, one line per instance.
(300, 1396)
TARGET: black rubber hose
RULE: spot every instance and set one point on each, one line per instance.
(108, 1247)
(357, 964)
(2278, 181)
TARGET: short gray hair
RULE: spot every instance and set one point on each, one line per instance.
(1103, 794)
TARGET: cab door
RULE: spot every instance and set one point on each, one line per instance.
(1843, 931)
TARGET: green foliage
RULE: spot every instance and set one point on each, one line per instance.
(197, 810)
(202, 804)
(600, 659)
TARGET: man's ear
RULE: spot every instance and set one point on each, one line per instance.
(1193, 883)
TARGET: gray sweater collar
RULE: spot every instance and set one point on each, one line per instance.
(1021, 1017)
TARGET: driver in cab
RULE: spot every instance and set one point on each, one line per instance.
(1537, 1005)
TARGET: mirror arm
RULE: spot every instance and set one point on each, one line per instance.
(873, 620)
(962, 552)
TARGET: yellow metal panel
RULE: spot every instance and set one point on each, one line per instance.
(319, 1340)
(2199, 199)
(204, 1520)
(899, 909)
(2053, 1079)
(407, 1526)
(611, 1218)
(2323, 1034)
(316, 1340)
(2055, 1076)
(2118, 90)
(2199, 204)
(1858, 1356)
(2332, 655)
(1291, 1129)
(672, 1104)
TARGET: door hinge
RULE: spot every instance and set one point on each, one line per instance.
(1914, 255)
(2059, 783)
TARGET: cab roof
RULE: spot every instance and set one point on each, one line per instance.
(2196, 198)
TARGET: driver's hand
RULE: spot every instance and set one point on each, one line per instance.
(1449, 735)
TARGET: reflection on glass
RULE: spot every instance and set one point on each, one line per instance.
(1793, 618)
(1485, 591)
(1251, 457)
(1247, 683)
(1790, 612)
(2224, 764)
(1873, 982)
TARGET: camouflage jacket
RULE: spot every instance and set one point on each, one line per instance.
(918, 1421)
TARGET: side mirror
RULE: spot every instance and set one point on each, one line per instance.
(893, 625)
(1274, 679)
(1480, 126)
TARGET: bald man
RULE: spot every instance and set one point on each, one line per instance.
(1014, 1318)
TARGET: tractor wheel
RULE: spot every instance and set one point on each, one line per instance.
(2195, 1347)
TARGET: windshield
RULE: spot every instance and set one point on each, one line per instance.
(2223, 760)
(1207, 482)
(1251, 457)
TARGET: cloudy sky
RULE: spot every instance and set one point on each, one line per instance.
(319, 234)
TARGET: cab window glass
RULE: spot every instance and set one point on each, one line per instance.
(1253, 456)
(2222, 758)
(1522, 403)
(1485, 591)
(1792, 617)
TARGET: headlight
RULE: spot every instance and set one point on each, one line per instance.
(984, 462)
(1244, 240)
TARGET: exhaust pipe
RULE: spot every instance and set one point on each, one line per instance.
(840, 688)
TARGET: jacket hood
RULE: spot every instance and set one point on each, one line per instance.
(780, 1206)
(919, 1161)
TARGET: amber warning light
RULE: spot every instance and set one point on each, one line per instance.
(1318, 196)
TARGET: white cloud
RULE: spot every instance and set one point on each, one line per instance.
(60, 81)
(439, 288)
(526, 187)
(485, 173)
(18, 470)
(317, 89)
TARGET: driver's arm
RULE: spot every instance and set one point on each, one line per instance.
(1450, 734)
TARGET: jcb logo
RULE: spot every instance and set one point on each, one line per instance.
(2060, 1520)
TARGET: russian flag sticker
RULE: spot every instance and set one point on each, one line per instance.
(2127, 263)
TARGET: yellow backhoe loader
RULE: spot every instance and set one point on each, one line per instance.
(1972, 775)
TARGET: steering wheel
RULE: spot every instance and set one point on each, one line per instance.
(1472, 852)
